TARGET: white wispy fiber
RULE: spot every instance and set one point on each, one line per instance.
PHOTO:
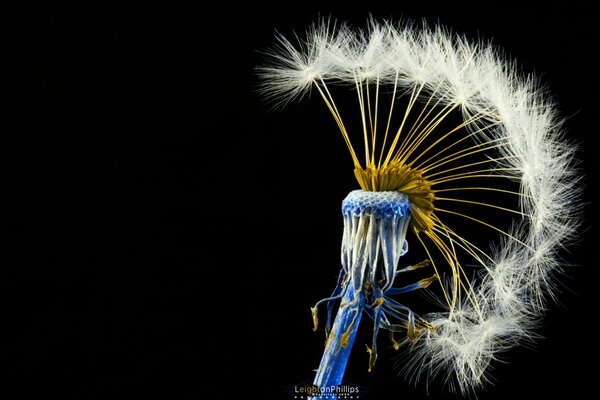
(516, 276)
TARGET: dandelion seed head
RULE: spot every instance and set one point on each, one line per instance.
(508, 119)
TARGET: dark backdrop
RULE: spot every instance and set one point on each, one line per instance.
(168, 233)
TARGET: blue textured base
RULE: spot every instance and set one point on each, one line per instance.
(377, 204)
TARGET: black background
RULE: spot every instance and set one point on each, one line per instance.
(168, 232)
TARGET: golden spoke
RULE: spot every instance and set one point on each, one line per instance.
(486, 161)
(469, 151)
(481, 188)
(389, 120)
(361, 102)
(435, 269)
(445, 149)
(464, 244)
(338, 119)
(481, 204)
(451, 259)
(468, 286)
(411, 102)
(485, 224)
(419, 121)
(429, 128)
(474, 174)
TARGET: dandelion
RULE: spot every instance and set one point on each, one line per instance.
(451, 143)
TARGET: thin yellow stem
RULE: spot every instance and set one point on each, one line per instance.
(435, 269)
(326, 95)
(443, 137)
(470, 249)
(451, 251)
(445, 149)
(374, 129)
(469, 151)
(485, 224)
(460, 189)
(370, 114)
(450, 259)
(421, 118)
(389, 120)
(361, 102)
(480, 204)
(413, 98)
(473, 174)
(431, 126)
(486, 161)
(458, 177)
(464, 244)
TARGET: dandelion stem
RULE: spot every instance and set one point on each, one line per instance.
(340, 340)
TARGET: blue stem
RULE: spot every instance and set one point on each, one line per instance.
(375, 225)
(336, 354)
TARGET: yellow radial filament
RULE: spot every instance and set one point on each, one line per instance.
(402, 178)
